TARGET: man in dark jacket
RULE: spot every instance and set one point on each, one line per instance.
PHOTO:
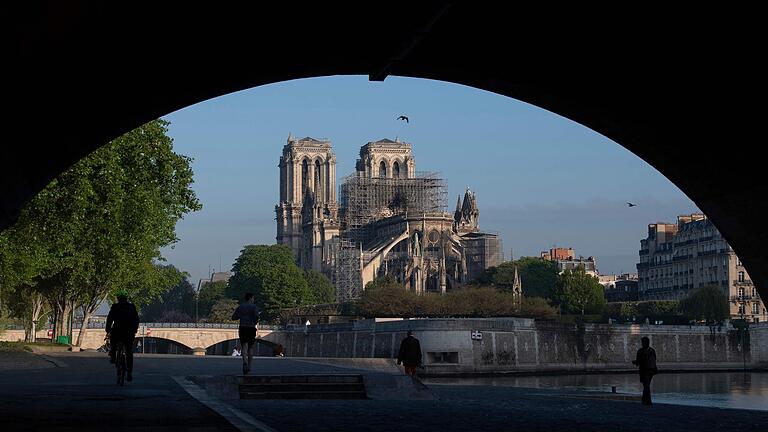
(122, 325)
(410, 354)
(646, 360)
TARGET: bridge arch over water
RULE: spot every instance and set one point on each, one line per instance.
(196, 337)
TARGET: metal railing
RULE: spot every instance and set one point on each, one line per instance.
(744, 298)
(101, 325)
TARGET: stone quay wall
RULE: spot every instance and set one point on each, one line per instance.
(455, 346)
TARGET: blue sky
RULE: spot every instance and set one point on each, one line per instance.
(541, 179)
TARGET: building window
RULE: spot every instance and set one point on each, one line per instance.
(382, 170)
(304, 175)
(755, 308)
(396, 170)
(741, 309)
(741, 276)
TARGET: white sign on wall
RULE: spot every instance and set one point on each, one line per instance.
(477, 335)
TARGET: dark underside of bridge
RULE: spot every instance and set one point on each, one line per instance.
(675, 87)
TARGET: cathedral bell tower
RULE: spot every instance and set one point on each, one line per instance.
(307, 214)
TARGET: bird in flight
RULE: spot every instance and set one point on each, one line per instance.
(629, 204)
(403, 118)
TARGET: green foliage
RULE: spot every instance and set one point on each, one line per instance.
(270, 273)
(657, 309)
(664, 310)
(99, 226)
(210, 293)
(537, 307)
(578, 292)
(385, 297)
(706, 303)
(480, 302)
(177, 302)
(222, 310)
(322, 289)
(151, 283)
(538, 276)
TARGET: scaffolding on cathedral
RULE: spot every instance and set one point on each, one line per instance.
(365, 200)
(345, 273)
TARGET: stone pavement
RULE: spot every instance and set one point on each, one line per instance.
(82, 396)
(19, 360)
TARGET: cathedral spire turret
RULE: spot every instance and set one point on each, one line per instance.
(457, 213)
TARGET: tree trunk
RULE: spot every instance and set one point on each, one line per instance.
(63, 309)
(83, 328)
(31, 332)
(37, 302)
(88, 310)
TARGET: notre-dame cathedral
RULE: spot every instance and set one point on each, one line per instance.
(389, 219)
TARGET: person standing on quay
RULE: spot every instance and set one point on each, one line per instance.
(248, 314)
(646, 360)
(410, 354)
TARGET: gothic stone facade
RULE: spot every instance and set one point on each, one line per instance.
(392, 218)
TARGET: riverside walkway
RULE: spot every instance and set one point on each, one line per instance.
(76, 391)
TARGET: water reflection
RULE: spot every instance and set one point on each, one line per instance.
(715, 389)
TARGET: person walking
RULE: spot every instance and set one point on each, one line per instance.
(410, 354)
(248, 314)
(646, 360)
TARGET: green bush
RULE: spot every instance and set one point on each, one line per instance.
(386, 297)
(653, 310)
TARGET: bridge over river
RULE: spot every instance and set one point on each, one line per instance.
(196, 337)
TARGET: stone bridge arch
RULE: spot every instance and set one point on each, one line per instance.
(689, 120)
(197, 337)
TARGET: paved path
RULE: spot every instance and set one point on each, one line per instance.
(82, 396)
(20, 360)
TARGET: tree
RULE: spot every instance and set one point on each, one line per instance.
(173, 316)
(20, 262)
(385, 297)
(322, 289)
(480, 302)
(538, 276)
(707, 303)
(180, 299)
(222, 311)
(270, 273)
(210, 293)
(99, 225)
(537, 307)
(579, 292)
(29, 305)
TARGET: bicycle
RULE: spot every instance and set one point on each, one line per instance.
(121, 363)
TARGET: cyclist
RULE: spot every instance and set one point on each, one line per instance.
(122, 325)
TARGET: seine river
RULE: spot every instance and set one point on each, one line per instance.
(715, 389)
